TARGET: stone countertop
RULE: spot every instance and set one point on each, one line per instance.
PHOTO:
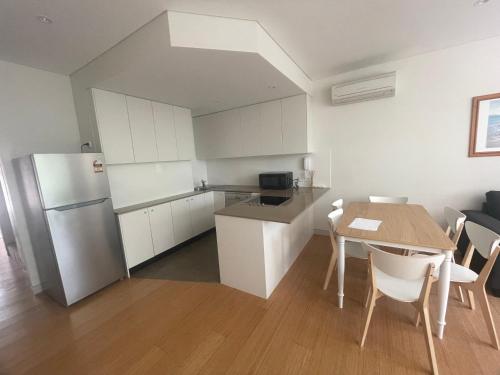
(299, 201)
(228, 188)
(285, 213)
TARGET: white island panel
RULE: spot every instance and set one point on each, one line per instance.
(255, 255)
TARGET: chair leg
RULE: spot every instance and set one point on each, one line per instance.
(369, 313)
(368, 296)
(488, 318)
(428, 340)
(333, 260)
(417, 319)
(470, 296)
(460, 294)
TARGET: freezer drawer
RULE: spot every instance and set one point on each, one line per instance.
(65, 179)
(86, 247)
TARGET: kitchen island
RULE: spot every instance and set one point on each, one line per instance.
(258, 240)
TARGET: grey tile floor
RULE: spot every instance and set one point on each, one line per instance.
(195, 261)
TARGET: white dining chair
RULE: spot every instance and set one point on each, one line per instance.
(455, 221)
(339, 203)
(396, 200)
(352, 249)
(404, 279)
(382, 199)
(486, 242)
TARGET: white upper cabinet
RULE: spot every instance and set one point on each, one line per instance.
(114, 127)
(251, 130)
(162, 229)
(142, 127)
(272, 128)
(230, 131)
(294, 111)
(138, 130)
(165, 131)
(271, 141)
(184, 131)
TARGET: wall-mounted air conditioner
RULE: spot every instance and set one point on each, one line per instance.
(381, 86)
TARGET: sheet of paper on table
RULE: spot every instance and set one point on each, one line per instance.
(365, 224)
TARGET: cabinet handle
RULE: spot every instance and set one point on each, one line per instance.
(145, 212)
(152, 210)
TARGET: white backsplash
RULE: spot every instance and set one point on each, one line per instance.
(245, 171)
(137, 183)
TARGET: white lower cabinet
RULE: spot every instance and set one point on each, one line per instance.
(136, 236)
(219, 200)
(162, 230)
(202, 212)
(181, 218)
(153, 230)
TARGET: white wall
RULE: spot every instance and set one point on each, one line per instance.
(37, 115)
(416, 143)
(245, 171)
(136, 183)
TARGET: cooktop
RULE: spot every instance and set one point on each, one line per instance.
(268, 200)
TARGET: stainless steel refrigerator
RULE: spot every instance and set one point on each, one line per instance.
(71, 223)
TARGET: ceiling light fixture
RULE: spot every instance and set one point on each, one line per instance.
(44, 19)
(478, 3)
(271, 86)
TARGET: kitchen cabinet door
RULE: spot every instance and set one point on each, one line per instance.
(294, 124)
(207, 137)
(181, 220)
(142, 128)
(197, 207)
(230, 141)
(113, 125)
(184, 132)
(219, 200)
(271, 141)
(251, 130)
(209, 210)
(162, 229)
(136, 236)
(166, 139)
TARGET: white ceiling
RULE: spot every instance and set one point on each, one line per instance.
(322, 36)
(206, 80)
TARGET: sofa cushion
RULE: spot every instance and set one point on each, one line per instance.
(483, 219)
(493, 203)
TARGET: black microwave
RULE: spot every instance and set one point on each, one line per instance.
(276, 180)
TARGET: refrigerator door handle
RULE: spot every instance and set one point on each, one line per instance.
(77, 205)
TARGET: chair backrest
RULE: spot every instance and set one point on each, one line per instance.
(334, 218)
(400, 266)
(455, 219)
(485, 241)
(338, 203)
(381, 199)
(333, 221)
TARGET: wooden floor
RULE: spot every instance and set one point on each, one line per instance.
(143, 326)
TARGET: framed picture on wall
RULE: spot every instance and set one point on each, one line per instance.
(485, 126)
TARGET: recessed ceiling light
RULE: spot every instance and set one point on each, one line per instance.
(44, 19)
(271, 86)
(478, 3)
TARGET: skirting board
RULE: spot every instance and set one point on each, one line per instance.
(321, 232)
(37, 289)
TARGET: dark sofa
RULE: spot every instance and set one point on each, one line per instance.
(488, 217)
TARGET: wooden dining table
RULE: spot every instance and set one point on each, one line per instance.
(404, 226)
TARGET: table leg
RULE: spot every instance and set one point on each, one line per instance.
(341, 269)
(443, 291)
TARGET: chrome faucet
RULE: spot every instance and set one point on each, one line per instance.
(203, 184)
(296, 183)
